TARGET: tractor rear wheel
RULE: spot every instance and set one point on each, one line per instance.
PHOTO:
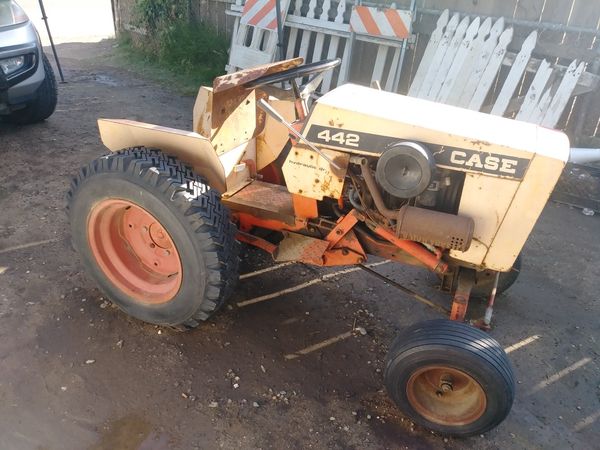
(450, 378)
(154, 236)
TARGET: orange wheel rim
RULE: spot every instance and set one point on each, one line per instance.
(446, 396)
(134, 251)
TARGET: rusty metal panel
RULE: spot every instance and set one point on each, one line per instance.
(309, 174)
(297, 247)
(263, 200)
(237, 79)
(234, 119)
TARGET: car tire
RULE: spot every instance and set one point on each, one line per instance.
(45, 102)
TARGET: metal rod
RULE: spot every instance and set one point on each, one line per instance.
(487, 318)
(413, 10)
(262, 104)
(280, 30)
(406, 290)
(45, 18)
(544, 26)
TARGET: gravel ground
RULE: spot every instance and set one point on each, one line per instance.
(76, 373)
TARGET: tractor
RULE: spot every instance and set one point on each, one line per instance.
(328, 180)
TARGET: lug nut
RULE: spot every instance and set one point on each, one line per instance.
(446, 387)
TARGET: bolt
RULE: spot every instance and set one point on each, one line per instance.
(446, 387)
(152, 245)
(339, 231)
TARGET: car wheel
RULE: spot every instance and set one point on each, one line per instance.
(45, 102)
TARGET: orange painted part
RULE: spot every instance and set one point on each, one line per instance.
(134, 251)
(459, 309)
(348, 251)
(300, 112)
(256, 241)
(247, 221)
(272, 174)
(304, 207)
(415, 249)
(343, 226)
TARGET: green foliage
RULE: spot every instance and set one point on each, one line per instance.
(193, 47)
(154, 15)
(175, 42)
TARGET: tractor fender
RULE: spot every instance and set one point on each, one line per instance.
(189, 147)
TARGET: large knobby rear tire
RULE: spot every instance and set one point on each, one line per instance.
(154, 236)
(450, 378)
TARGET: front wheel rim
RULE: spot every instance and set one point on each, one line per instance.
(446, 396)
(134, 251)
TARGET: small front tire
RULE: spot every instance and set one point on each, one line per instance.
(450, 378)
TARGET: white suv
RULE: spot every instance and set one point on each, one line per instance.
(28, 90)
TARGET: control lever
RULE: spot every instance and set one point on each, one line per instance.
(262, 104)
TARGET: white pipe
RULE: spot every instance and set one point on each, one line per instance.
(584, 155)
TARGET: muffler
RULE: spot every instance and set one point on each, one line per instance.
(435, 228)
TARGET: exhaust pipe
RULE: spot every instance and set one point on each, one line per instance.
(584, 155)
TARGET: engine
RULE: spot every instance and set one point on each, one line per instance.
(457, 179)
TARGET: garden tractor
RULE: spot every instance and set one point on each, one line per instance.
(328, 180)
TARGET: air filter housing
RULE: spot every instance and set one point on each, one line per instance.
(405, 169)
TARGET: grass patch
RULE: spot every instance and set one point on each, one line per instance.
(184, 56)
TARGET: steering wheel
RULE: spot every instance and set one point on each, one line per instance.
(318, 68)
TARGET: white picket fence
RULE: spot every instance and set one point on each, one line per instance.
(460, 66)
(315, 31)
(462, 61)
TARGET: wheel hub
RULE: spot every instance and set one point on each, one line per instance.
(134, 251)
(446, 396)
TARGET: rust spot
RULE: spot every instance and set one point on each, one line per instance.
(242, 77)
(331, 123)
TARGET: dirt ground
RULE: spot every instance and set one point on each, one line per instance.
(75, 373)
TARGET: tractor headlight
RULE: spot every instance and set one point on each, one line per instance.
(12, 65)
(11, 13)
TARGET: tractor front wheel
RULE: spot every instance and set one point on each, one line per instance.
(450, 378)
(154, 236)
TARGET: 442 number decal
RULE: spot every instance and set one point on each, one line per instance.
(341, 138)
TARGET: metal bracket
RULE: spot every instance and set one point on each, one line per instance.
(460, 301)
